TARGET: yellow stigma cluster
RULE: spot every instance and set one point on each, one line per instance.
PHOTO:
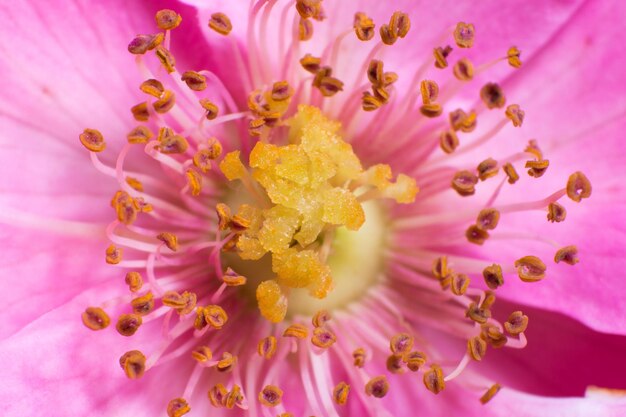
(311, 183)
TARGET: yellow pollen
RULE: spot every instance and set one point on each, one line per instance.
(167, 19)
(478, 314)
(459, 284)
(133, 363)
(491, 334)
(134, 183)
(183, 303)
(211, 108)
(323, 338)
(515, 114)
(431, 110)
(177, 407)
(488, 219)
(310, 63)
(217, 395)
(377, 387)
(165, 102)
(220, 23)
(394, 364)
(227, 362)
(490, 393)
(429, 90)
(490, 299)
(114, 255)
(305, 30)
(340, 393)
(320, 318)
(170, 143)
(297, 330)
(95, 318)
(400, 24)
(92, 140)
(202, 354)
(401, 343)
(487, 169)
(464, 183)
(233, 279)
(194, 80)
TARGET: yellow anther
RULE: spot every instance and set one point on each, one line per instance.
(95, 318)
(489, 300)
(114, 255)
(459, 284)
(165, 103)
(493, 96)
(448, 141)
(375, 72)
(431, 110)
(177, 407)
(556, 212)
(440, 267)
(281, 91)
(170, 143)
(433, 379)
(227, 362)
(128, 324)
(516, 323)
(511, 173)
(513, 56)
(399, 24)
(234, 397)
(270, 396)
(183, 303)
(143, 305)
(308, 8)
(536, 169)
(568, 254)
(93, 140)
(515, 114)
(134, 183)
(166, 58)
(267, 347)
(414, 360)
(488, 219)
(202, 159)
(394, 364)
(491, 392)
(233, 279)
(170, 240)
(152, 87)
(194, 80)
(140, 134)
(533, 149)
(296, 330)
(370, 102)
(459, 120)
(311, 63)
(125, 207)
(377, 387)
(133, 363)
(387, 36)
(530, 269)
(215, 316)
(194, 181)
(167, 19)
(220, 23)
(477, 348)
(463, 70)
(493, 276)
(134, 281)
(441, 56)
(578, 187)
(223, 215)
(321, 318)
(487, 169)
(464, 35)
(210, 108)
(329, 86)
(359, 357)
(305, 30)
(464, 183)
(323, 338)
(491, 334)
(363, 27)
(429, 90)
(477, 314)
(144, 43)
(140, 112)
(401, 343)
(340, 393)
(217, 395)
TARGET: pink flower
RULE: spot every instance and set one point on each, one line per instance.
(405, 323)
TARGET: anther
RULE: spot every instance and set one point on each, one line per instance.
(217, 395)
(414, 360)
(125, 207)
(377, 387)
(227, 362)
(370, 102)
(489, 300)
(323, 72)
(513, 55)
(487, 169)
(311, 63)
(140, 112)
(223, 215)
(93, 140)
(492, 96)
(363, 27)
(533, 148)
(516, 323)
(491, 334)
(152, 87)
(128, 324)
(305, 30)
(211, 108)
(114, 255)
(493, 276)
(459, 120)
(234, 397)
(194, 180)
(429, 90)
(359, 357)
(320, 318)
(220, 23)
(340, 393)
(530, 269)
(511, 173)
(375, 72)
(134, 183)
(556, 212)
(476, 234)
(394, 364)
(488, 219)
(267, 347)
(568, 254)
(133, 363)
(170, 240)
(134, 281)
(166, 58)
(431, 110)
(477, 314)
(95, 318)
(463, 70)
(296, 330)
(433, 379)
(323, 338)
(165, 103)
(536, 169)
(329, 86)
(167, 19)
(233, 279)
(307, 8)
(448, 141)
(464, 183)
(491, 392)
(172, 144)
(401, 343)
(202, 160)
(440, 267)
(194, 80)
(459, 284)
(399, 24)
(281, 91)
(183, 303)
(515, 114)
(202, 354)
(215, 316)
(441, 55)
(177, 407)
(139, 135)
(477, 348)
(578, 186)
(144, 304)
(464, 35)
(270, 396)
(144, 43)
(387, 36)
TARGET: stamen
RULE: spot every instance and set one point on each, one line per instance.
(165, 103)
(477, 348)
(487, 169)
(95, 318)
(464, 183)
(170, 240)
(134, 183)
(215, 316)
(271, 396)
(516, 323)
(92, 140)
(340, 393)
(169, 143)
(464, 35)
(492, 96)
(114, 255)
(477, 314)
(429, 90)
(323, 338)
(233, 279)
(537, 168)
(227, 362)
(511, 173)
(513, 56)
(359, 357)
(401, 343)
(530, 269)
(133, 363)
(143, 305)
(515, 114)
(440, 267)
(321, 318)
(387, 36)
(128, 324)
(125, 207)
(370, 102)
(476, 234)
(448, 141)
(363, 27)
(305, 30)
(212, 111)
(394, 364)
(152, 87)
(144, 43)
(194, 80)
(489, 300)
(568, 254)
(134, 281)
(223, 216)
(267, 347)
(308, 8)
(281, 91)
(556, 212)
(493, 276)
(488, 219)
(491, 334)
(140, 112)
(400, 24)
(183, 303)
(139, 135)
(459, 120)
(167, 19)
(194, 181)
(377, 387)
(234, 397)
(414, 360)
(459, 284)
(463, 70)
(431, 110)
(491, 392)
(296, 330)
(329, 86)
(311, 63)
(578, 187)
(441, 55)
(202, 354)
(220, 23)
(177, 407)
(433, 379)
(217, 395)
(166, 58)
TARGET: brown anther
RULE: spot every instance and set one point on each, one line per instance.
(217, 395)
(183, 303)
(255, 126)
(492, 96)
(211, 108)
(491, 334)
(464, 183)
(381, 93)
(296, 330)
(536, 169)
(177, 407)
(143, 305)
(144, 43)
(238, 223)
(433, 379)
(231, 244)
(215, 316)
(459, 120)
(578, 186)
(477, 314)
(487, 169)
(167, 19)
(387, 36)
(323, 338)
(556, 212)
(414, 360)
(377, 387)
(324, 71)
(270, 396)
(305, 30)
(134, 281)
(375, 72)
(511, 173)
(140, 134)
(92, 140)
(463, 70)
(202, 354)
(394, 364)
(267, 347)
(281, 91)
(493, 276)
(477, 348)
(128, 324)
(227, 362)
(114, 255)
(340, 393)
(568, 254)
(133, 363)
(220, 23)
(329, 86)
(516, 323)
(491, 392)
(530, 269)
(321, 318)
(194, 80)
(370, 102)
(533, 148)
(429, 90)
(401, 343)
(95, 318)
(308, 8)
(152, 87)
(448, 141)
(170, 240)
(459, 284)
(233, 397)
(440, 267)
(513, 56)
(363, 27)
(359, 357)
(202, 160)
(134, 183)
(441, 55)
(399, 24)
(488, 219)
(464, 35)
(172, 144)
(166, 58)
(223, 215)
(515, 114)
(165, 103)
(140, 112)
(125, 207)
(389, 78)
(233, 279)
(194, 181)
(489, 300)
(311, 63)
(431, 110)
